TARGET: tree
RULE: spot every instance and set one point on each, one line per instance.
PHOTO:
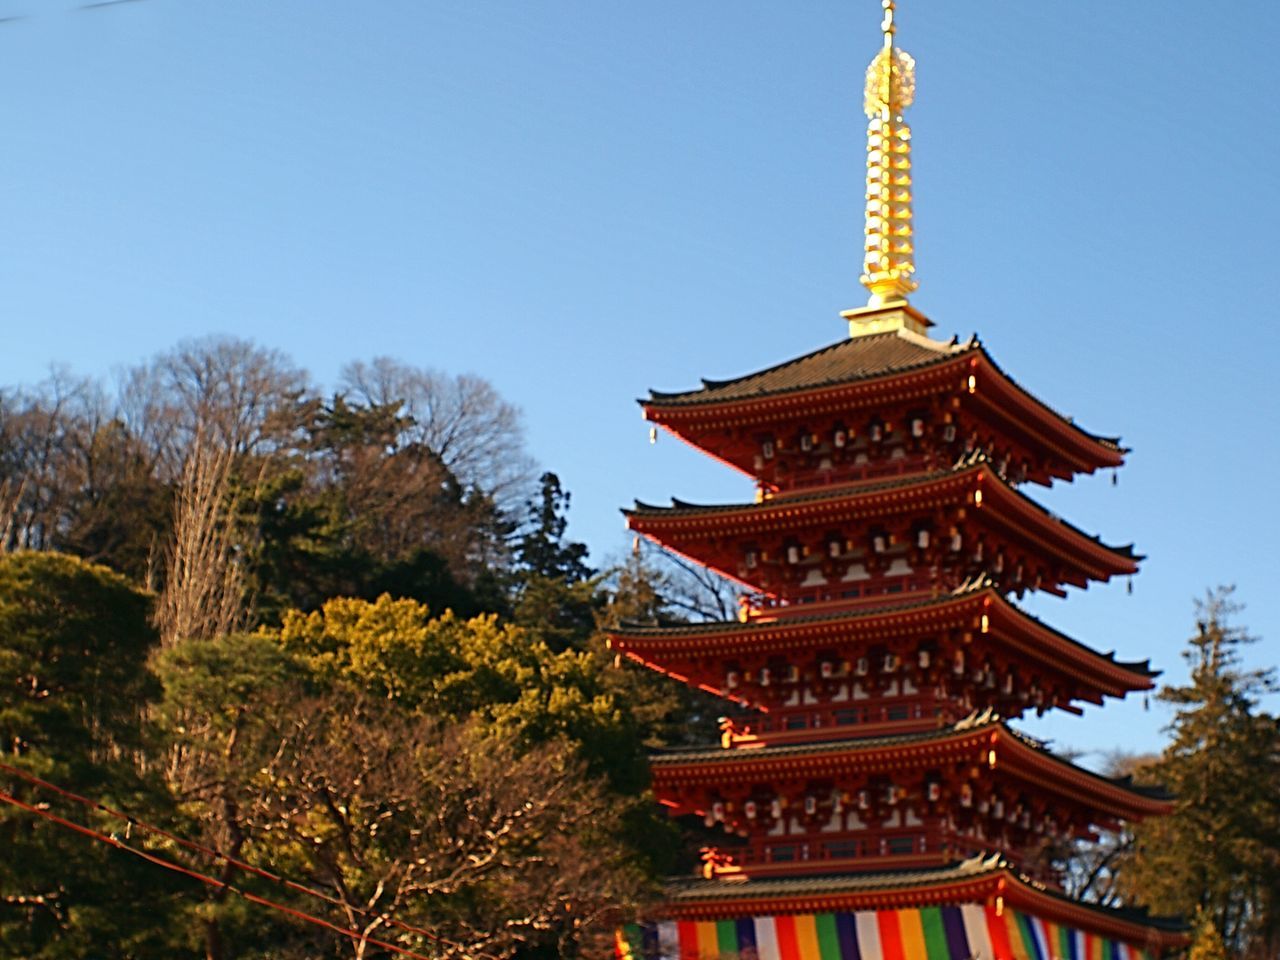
(233, 394)
(1207, 944)
(555, 595)
(1219, 852)
(462, 420)
(120, 513)
(451, 773)
(542, 549)
(690, 592)
(1093, 868)
(356, 511)
(43, 433)
(440, 826)
(74, 641)
(204, 592)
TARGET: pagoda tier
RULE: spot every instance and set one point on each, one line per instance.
(879, 405)
(867, 801)
(916, 535)
(905, 666)
(981, 907)
(907, 800)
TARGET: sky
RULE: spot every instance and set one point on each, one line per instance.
(582, 200)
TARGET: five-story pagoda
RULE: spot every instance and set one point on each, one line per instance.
(871, 799)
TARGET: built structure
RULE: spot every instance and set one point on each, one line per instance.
(871, 800)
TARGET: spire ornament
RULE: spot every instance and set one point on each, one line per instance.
(889, 261)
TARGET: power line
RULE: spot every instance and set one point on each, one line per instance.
(217, 855)
(206, 879)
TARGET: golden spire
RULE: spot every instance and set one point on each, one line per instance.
(889, 263)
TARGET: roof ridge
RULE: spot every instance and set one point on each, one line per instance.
(941, 350)
(696, 888)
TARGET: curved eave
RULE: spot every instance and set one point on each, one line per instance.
(1014, 755)
(1005, 505)
(973, 881)
(684, 416)
(980, 880)
(1019, 630)
(997, 394)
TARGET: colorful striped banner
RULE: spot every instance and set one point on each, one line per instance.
(964, 932)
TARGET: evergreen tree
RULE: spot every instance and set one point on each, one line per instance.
(542, 549)
(556, 595)
(74, 641)
(1218, 854)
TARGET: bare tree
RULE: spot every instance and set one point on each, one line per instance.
(11, 489)
(461, 419)
(204, 587)
(688, 590)
(1093, 867)
(232, 393)
(43, 434)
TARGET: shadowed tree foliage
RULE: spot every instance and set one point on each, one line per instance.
(74, 640)
(358, 512)
(555, 594)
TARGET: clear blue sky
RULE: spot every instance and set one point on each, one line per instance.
(580, 200)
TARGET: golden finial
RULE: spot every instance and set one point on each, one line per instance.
(889, 263)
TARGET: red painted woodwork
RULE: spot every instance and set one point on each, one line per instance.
(878, 653)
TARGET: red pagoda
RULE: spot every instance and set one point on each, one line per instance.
(869, 797)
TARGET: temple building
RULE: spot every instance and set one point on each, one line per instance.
(869, 798)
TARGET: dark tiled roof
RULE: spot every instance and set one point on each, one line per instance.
(713, 754)
(976, 721)
(813, 496)
(848, 361)
(972, 462)
(976, 585)
(679, 628)
(855, 358)
(701, 891)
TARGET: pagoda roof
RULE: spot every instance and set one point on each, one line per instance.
(847, 361)
(979, 878)
(863, 360)
(1016, 752)
(863, 499)
(726, 637)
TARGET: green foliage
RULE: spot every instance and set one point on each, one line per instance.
(349, 512)
(74, 639)
(542, 549)
(1218, 854)
(388, 755)
(474, 668)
